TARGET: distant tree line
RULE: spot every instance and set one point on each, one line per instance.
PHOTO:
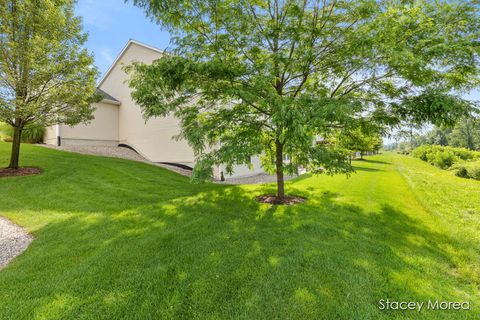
(464, 134)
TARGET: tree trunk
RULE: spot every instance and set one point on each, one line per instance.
(17, 137)
(279, 168)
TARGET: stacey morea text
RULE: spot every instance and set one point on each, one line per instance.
(387, 304)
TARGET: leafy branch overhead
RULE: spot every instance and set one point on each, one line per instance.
(273, 77)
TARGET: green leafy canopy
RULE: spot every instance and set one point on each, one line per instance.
(263, 77)
(46, 75)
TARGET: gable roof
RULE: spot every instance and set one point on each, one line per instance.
(106, 97)
(129, 43)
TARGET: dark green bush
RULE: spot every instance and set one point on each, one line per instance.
(465, 163)
(444, 157)
(31, 134)
(465, 154)
(443, 160)
(422, 151)
(474, 171)
(462, 172)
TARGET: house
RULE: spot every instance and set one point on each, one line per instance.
(118, 120)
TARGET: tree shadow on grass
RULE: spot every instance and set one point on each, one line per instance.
(374, 161)
(366, 169)
(357, 167)
(219, 254)
(302, 177)
(93, 185)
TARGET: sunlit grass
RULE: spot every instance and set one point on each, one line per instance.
(120, 239)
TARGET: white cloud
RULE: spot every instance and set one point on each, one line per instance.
(99, 13)
(106, 54)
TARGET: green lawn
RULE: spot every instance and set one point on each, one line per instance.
(116, 239)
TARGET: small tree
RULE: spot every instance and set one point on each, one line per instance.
(360, 140)
(46, 77)
(268, 77)
(466, 134)
(438, 136)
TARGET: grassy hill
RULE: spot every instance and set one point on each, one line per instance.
(121, 239)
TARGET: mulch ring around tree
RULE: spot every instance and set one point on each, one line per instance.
(286, 200)
(24, 171)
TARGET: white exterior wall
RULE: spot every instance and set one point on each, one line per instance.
(124, 124)
(240, 171)
(50, 136)
(100, 131)
(153, 139)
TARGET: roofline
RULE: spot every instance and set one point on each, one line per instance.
(125, 48)
(117, 103)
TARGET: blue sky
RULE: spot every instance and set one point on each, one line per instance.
(111, 23)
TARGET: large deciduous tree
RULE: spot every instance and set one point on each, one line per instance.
(46, 76)
(275, 77)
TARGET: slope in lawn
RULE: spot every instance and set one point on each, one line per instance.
(120, 239)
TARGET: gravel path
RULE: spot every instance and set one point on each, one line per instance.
(13, 241)
(106, 151)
